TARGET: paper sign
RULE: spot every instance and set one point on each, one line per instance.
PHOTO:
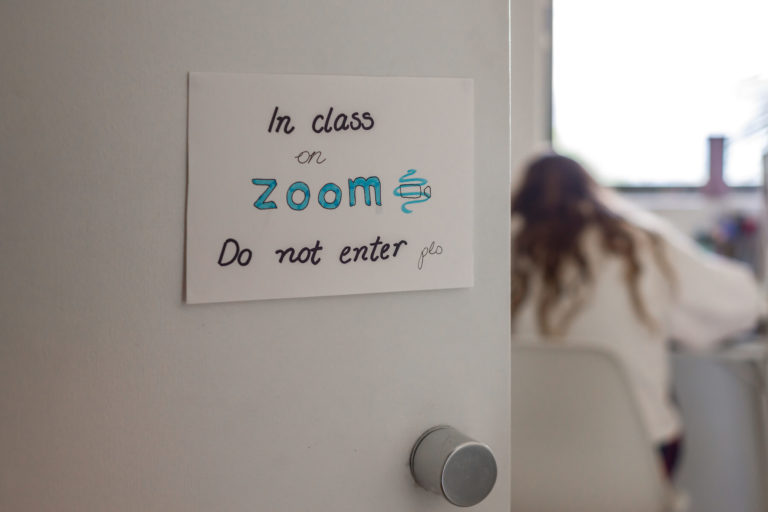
(326, 185)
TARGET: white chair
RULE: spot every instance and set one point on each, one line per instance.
(578, 444)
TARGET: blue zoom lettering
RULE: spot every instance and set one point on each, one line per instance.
(298, 194)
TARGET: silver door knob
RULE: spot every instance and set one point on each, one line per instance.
(447, 462)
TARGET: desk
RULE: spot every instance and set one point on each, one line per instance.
(723, 402)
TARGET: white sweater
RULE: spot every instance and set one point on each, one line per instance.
(713, 298)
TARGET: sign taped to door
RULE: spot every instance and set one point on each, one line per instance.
(303, 185)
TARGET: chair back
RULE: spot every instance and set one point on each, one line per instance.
(578, 442)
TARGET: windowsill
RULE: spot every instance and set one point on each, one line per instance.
(692, 212)
(680, 189)
(742, 199)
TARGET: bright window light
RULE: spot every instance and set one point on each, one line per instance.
(638, 87)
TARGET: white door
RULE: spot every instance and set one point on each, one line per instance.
(117, 396)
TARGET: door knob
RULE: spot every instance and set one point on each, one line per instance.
(447, 462)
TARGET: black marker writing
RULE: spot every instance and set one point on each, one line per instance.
(327, 123)
(243, 257)
(304, 254)
(280, 120)
(374, 251)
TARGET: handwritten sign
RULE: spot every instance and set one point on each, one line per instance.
(327, 185)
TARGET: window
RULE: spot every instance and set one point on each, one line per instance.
(638, 87)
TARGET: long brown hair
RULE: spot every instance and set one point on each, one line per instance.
(557, 201)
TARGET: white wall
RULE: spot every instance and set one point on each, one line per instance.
(114, 395)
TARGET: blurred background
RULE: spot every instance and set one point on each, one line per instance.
(667, 102)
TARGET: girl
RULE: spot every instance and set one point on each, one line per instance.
(589, 269)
